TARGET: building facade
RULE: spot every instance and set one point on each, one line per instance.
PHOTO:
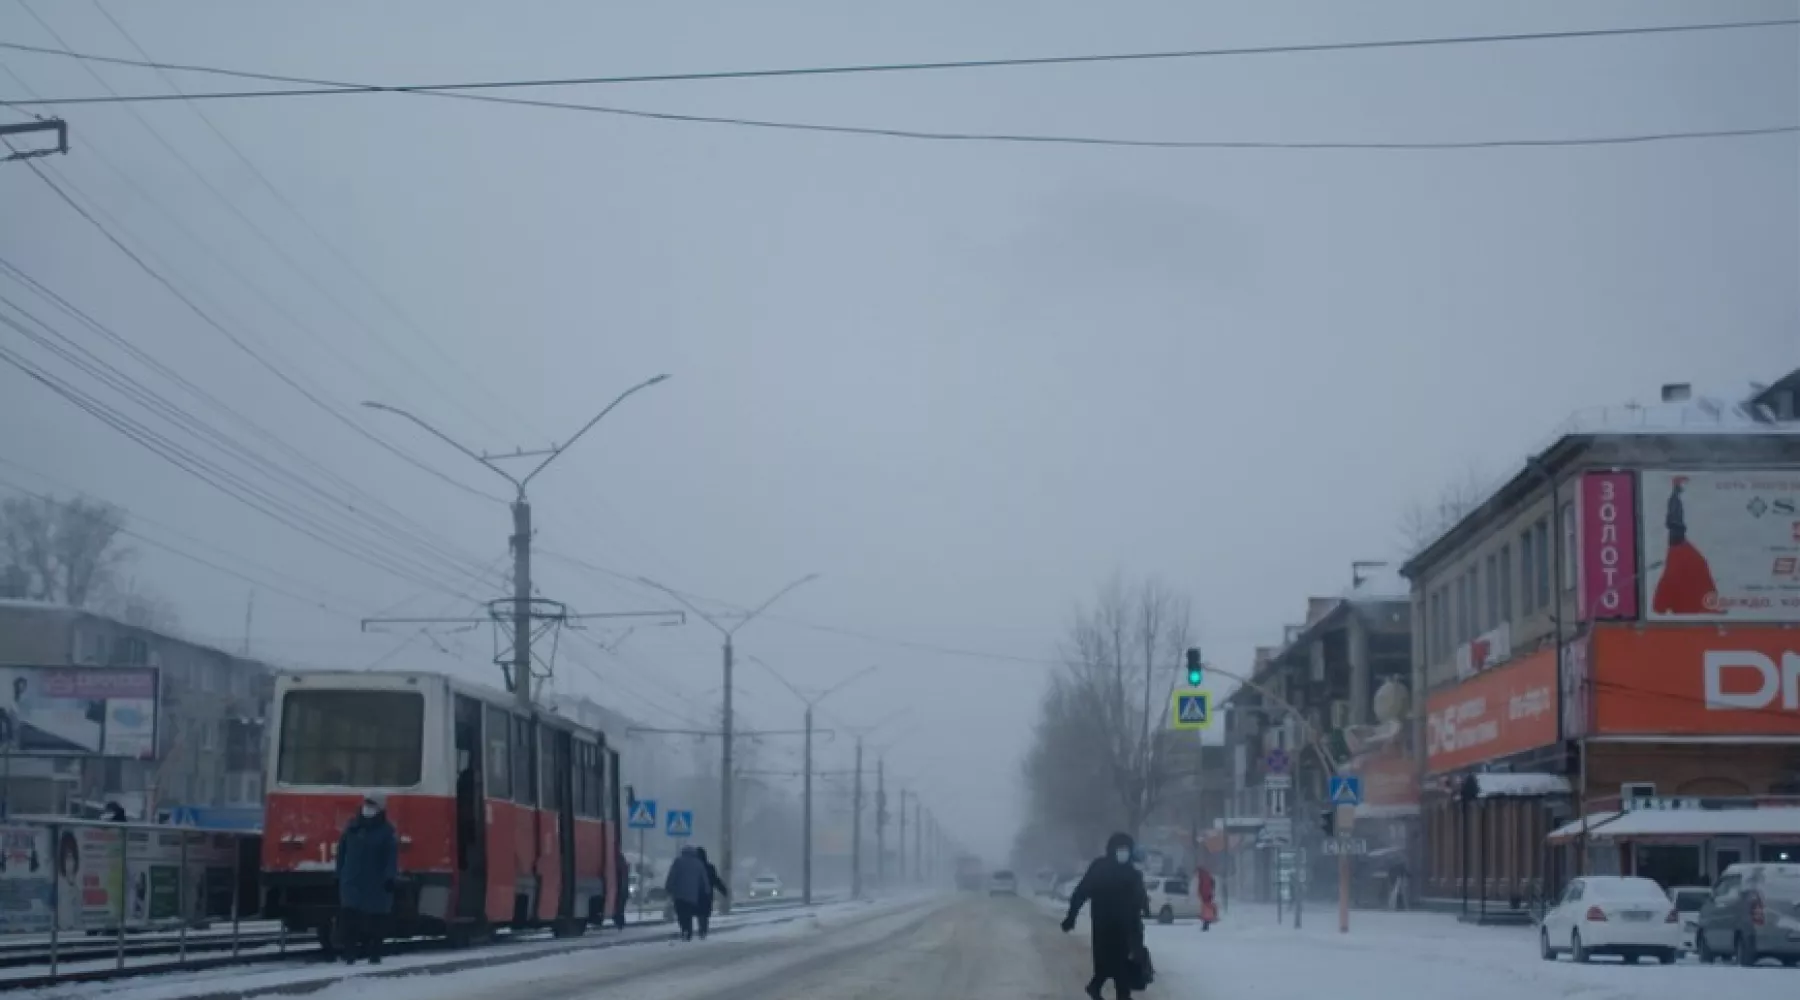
(210, 735)
(1614, 621)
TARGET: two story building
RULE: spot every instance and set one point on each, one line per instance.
(1615, 622)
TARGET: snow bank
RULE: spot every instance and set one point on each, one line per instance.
(1414, 956)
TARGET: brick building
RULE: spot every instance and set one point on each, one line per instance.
(1614, 622)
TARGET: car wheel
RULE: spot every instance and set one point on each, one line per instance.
(1576, 951)
(1746, 952)
(1165, 916)
(1667, 956)
(1545, 952)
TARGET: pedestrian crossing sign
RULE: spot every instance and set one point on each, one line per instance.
(1191, 709)
(643, 815)
(680, 823)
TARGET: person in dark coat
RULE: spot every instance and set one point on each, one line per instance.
(714, 887)
(687, 887)
(1116, 888)
(368, 862)
(622, 895)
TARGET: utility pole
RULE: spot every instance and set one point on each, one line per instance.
(523, 614)
(900, 854)
(806, 854)
(918, 841)
(856, 810)
(881, 823)
(249, 616)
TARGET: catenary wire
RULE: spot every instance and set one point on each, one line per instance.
(317, 87)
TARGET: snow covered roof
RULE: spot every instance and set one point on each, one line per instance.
(1634, 824)
(1380, 583)
(1492, 786)
(1728, 412)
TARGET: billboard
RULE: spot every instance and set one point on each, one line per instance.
(1709, 680)
(1608, 545)
(25, 880)
(1721, 545)
(1506, 710)
(78, 711)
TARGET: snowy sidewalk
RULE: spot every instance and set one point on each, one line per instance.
(1402, 956)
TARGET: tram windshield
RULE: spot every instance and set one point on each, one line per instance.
(363, 739)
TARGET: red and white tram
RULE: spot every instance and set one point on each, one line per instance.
(506, 818)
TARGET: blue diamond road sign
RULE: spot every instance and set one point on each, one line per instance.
(643, 815)
(679, 823)
(1346, 790)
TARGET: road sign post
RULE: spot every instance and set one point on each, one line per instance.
(1346, 795)
(1190, 709)
(640, 816)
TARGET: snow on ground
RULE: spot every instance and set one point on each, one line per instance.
(1418, 956)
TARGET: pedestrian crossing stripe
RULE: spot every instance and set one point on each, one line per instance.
(1192, 709)
(643, 814)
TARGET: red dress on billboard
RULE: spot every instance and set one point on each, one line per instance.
(1686, 586)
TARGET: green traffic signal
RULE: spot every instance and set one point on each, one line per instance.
(1194, 674)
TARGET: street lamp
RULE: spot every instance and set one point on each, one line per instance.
(521, 538)
(806, 851)
(725, 729)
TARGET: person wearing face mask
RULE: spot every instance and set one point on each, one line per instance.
(368, 861)
(1116, 889)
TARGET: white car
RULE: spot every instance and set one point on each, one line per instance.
(1172, 899)
(1688, 899)
(1003, 883)
(765, 887)
(1623, 915)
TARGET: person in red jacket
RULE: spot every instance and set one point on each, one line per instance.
(1203, 883)
(1686, 586)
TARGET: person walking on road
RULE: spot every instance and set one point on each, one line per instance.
(1116, 889)
(1205, 886)
(687, 887)
(368, 862)
(714, 887)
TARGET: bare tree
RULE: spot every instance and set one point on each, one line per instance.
(1096, 763)
(1421, 524)
(64, 551)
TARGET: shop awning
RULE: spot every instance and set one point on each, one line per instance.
(1652, 824)
(1494, 786)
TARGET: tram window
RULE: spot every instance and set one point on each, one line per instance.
(584, 790)
(590, 780)
(609, 786)
(524, 775)
(499, 736)
(363, 739)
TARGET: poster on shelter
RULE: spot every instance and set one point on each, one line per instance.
(78, 711)
(89, 867)
(26, 877)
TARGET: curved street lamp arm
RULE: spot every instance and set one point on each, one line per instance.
(777, 675)
(846, 682)
(447, 439)
(708, 619)
(559, 449)
(779, 594)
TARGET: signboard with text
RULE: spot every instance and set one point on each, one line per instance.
(78, 711)
(1721, 545)
(1708, 680)
(1502, 711)
(1608, 546)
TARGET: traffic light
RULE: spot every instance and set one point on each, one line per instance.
(1328, 821)
(1193, 667)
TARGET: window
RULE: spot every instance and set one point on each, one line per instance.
(1527, 574)
(1568, 545)
(1492, 591)
(1462, 610)
(524, 776)
(584, 771)
(364, 739)
(1540, 540)
(1433, 608)
(1505, 584)
(498, 737)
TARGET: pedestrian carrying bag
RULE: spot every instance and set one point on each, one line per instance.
(1143, 972)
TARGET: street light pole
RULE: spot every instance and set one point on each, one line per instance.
(726, 778)
(520, 681)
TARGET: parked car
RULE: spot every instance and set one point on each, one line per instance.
(1003, 883)
(1624, 915)
(1688, 899)
(765, 887)
(1172, 899)
(1753, 914)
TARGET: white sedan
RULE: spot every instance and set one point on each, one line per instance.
(1622, 915)
(765, 887)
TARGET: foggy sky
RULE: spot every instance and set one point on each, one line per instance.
(965, 383)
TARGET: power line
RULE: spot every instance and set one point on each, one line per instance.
(320, 87)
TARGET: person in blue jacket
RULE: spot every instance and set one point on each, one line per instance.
(368, 861)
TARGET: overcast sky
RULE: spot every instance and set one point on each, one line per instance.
(963, 382)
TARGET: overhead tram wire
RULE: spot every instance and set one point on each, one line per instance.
(321, 87)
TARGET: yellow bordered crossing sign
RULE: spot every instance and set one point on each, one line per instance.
(1190, 709)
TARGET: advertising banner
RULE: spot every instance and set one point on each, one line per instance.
(1710, 680)
(1609, 537)
(89, 871)
(1507, 710)
(26, 875)
(78, 711)
(1721, 545)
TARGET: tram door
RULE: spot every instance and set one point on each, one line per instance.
(471, 830)
(563, 772)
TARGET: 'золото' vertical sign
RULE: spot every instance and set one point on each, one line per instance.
(1609, 576)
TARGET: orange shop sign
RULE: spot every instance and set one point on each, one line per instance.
(1696, 680)
(1503, 711)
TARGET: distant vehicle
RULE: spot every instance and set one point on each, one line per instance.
(1045, 882)
(1624, 915)
(1753, 914)
(1172, 899)
(1688, 900)
(765, 887)
(968, 873)
(1003, 883)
